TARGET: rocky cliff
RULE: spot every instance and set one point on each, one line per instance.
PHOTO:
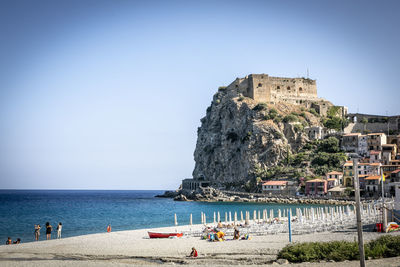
(239, 135)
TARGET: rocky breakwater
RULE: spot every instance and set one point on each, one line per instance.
(239, 135)
(210, 194)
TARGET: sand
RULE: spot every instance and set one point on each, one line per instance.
(127, 248)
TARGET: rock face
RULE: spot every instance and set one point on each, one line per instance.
(238, 135)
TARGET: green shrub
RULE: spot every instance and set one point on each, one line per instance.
(290, 118)
(312, 111)
(241, 98)
(329, 145)
(260, 106)
(221, 88)
(277, 119)
(298, 128)
(383, 247)
(273, 113)
(266, 117)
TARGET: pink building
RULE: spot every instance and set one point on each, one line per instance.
(375, 156)
(316, 187)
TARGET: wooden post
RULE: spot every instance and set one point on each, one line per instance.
(358, 212)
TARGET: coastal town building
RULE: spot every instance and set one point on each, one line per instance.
(337, 191)
(275, 187)
(335, 175)
(372, 186)
(194, 184)
(376, 140)
(393, 180)
(350, 142)
(316, 187)
(389, 152)
(375, 156)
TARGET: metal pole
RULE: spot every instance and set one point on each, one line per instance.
(384, 214)
(290, 225)
(358, 212)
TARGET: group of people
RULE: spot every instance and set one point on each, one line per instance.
(49, 228)
(10, 242)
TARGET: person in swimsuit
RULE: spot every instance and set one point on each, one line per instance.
(37, 232)
(9, 241)
(48, 231)
(18, 241)
(59, 228)
(193, 254)
(109, 228)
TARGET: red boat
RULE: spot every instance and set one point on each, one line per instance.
(164, 235)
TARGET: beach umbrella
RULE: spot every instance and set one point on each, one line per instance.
(279, 214)
(190, 220)
(205, 220)
(226, 217)
(254, 215)
(271, 214)
(259, 217)
(284, 213)
(214, 217)
(218, 217)
(340, 213)
(235, 217)
(230, 217)
(331, 212)
(312, 215)
(176, 219)
(241, 216)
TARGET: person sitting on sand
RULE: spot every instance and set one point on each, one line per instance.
(18, 241)
(9, 241)
(109, 228)
(219, 224)
(220, 236)
(193, 254)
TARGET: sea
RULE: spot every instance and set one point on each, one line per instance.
(84, 212)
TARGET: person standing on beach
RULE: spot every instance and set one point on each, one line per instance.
(37, 232)
(9, 241)
(48, 231)
(109, 228)
(59, 228)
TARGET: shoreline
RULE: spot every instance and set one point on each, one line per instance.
(123, 248)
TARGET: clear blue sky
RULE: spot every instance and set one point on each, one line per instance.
(109, 94)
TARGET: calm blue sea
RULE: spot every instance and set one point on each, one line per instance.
(85, 212)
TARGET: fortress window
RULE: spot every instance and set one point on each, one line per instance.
(278, 88)
(260, 84)
(300, 89)
(288, 88)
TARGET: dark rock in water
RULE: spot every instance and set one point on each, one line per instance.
(168, 194)
(180, 198)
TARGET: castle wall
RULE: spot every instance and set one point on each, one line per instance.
(264, 88)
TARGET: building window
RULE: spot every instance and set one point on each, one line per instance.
(288, 88)
(260, 84)
(278, 88)
(300, 89)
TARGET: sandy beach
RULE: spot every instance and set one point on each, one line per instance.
(126, 248)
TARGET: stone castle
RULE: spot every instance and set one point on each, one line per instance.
(265, 88)
(268, 89)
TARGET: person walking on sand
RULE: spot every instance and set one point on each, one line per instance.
(48, 231)
(37, 232)
(59, 228)
(109, 228)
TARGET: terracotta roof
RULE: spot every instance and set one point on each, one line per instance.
(374, 152)
(396, 171)
(337, 189)
(362, 175)
(352, 134)
(315, 180)
(377, 177)
(334, 172)
(275, 183)
(332, 179)
(375, 133)
(375, 164)
(348, 164)
(391, 145)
